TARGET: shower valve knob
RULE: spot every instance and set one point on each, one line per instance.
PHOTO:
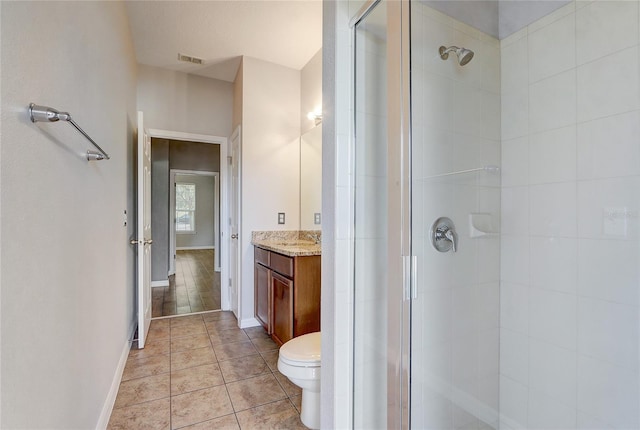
(443, 235)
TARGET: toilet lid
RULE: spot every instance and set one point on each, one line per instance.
(305, 348)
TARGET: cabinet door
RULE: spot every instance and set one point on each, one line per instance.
(282, 318)
(262, 302)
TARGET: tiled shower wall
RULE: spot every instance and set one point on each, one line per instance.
(455, 314)
(570, 209)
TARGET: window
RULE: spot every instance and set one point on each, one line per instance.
(185, 208)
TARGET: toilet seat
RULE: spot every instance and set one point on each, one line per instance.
(302, 351)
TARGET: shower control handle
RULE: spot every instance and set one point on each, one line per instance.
(443, 235)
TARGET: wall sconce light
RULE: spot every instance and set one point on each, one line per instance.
(315, 116)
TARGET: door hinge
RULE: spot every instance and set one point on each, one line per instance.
(229, 282)
(230, 160)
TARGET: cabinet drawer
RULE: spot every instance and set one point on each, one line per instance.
(282, 264)
(262, 256)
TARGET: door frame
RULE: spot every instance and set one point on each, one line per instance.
(235, 279)
(224, 212)
(172, 208)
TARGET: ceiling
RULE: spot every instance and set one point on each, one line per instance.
(285, 32)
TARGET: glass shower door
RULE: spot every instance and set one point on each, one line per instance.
(380, 230)
(455, 219)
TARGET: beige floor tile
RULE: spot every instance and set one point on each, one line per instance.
(187, 320)
(142, 390)
(216, 316)
(195, 378)
(256, 333)
(289, 387)
(158, 331)
(297, 402)
(277, 415)
(229, 336)
(243, 367)
(271, 357)
(154, 415)
(190, 342)
(228, 351)
(228, 422)
(190, 329)
(222, 324)
(150, 348)
(147, 366)
(264, 344)
(192, 358)
(253, 392)
(198, 406)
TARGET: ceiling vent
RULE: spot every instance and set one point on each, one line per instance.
(188, 59)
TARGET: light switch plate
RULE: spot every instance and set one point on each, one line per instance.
(316, 218)
(280, 217)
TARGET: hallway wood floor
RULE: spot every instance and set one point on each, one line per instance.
(194, 288)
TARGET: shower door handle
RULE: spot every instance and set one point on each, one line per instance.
(443, 235)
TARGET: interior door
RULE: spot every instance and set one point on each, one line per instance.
(143, 240)
(234, 222)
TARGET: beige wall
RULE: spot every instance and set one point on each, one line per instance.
(186, 103)
(310, 91)
(67, 278)
(270, 158)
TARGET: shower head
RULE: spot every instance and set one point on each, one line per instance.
(464, 55)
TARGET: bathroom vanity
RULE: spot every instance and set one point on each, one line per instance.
(287, 286)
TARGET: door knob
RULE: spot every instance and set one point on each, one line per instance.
(443, 235)
(234, 236)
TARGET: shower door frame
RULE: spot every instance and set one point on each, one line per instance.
(400, 264)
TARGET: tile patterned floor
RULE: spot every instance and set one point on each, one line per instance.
(194, 288)
(203, 372)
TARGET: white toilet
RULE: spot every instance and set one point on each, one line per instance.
(299, 361)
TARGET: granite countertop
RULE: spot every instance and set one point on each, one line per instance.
(290, 243)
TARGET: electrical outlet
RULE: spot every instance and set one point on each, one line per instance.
(280, 217)
(316, 218)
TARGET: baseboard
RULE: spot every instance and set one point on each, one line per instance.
(249, 322)
(159, 283)
(193, 248)
(110, 401)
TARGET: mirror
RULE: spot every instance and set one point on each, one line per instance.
(311, 179)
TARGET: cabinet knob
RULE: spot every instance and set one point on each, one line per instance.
(234, 236)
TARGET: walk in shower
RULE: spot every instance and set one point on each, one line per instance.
(496, 215)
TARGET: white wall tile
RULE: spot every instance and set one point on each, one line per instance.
(552, 156)
(438, 101)
(515, 113)
(604, 27)
(553, 317)
(547, 413)
(515, 65)
(545, 62)
(608, 270)
(608, 392)
(609, 147)
(514, 401)
(609, 331)
(515, 162)
(515, 211)
(514, 356)
(552, 17)
(553, 209)
(609, 208)
(552, 102)
(608, 86)
(587, 422)
(514, 265)
(514, 307)
(552, 371)
(554, 263)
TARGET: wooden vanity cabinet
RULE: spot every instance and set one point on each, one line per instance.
(289, 306)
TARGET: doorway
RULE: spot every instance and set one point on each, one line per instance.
(189, 255)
